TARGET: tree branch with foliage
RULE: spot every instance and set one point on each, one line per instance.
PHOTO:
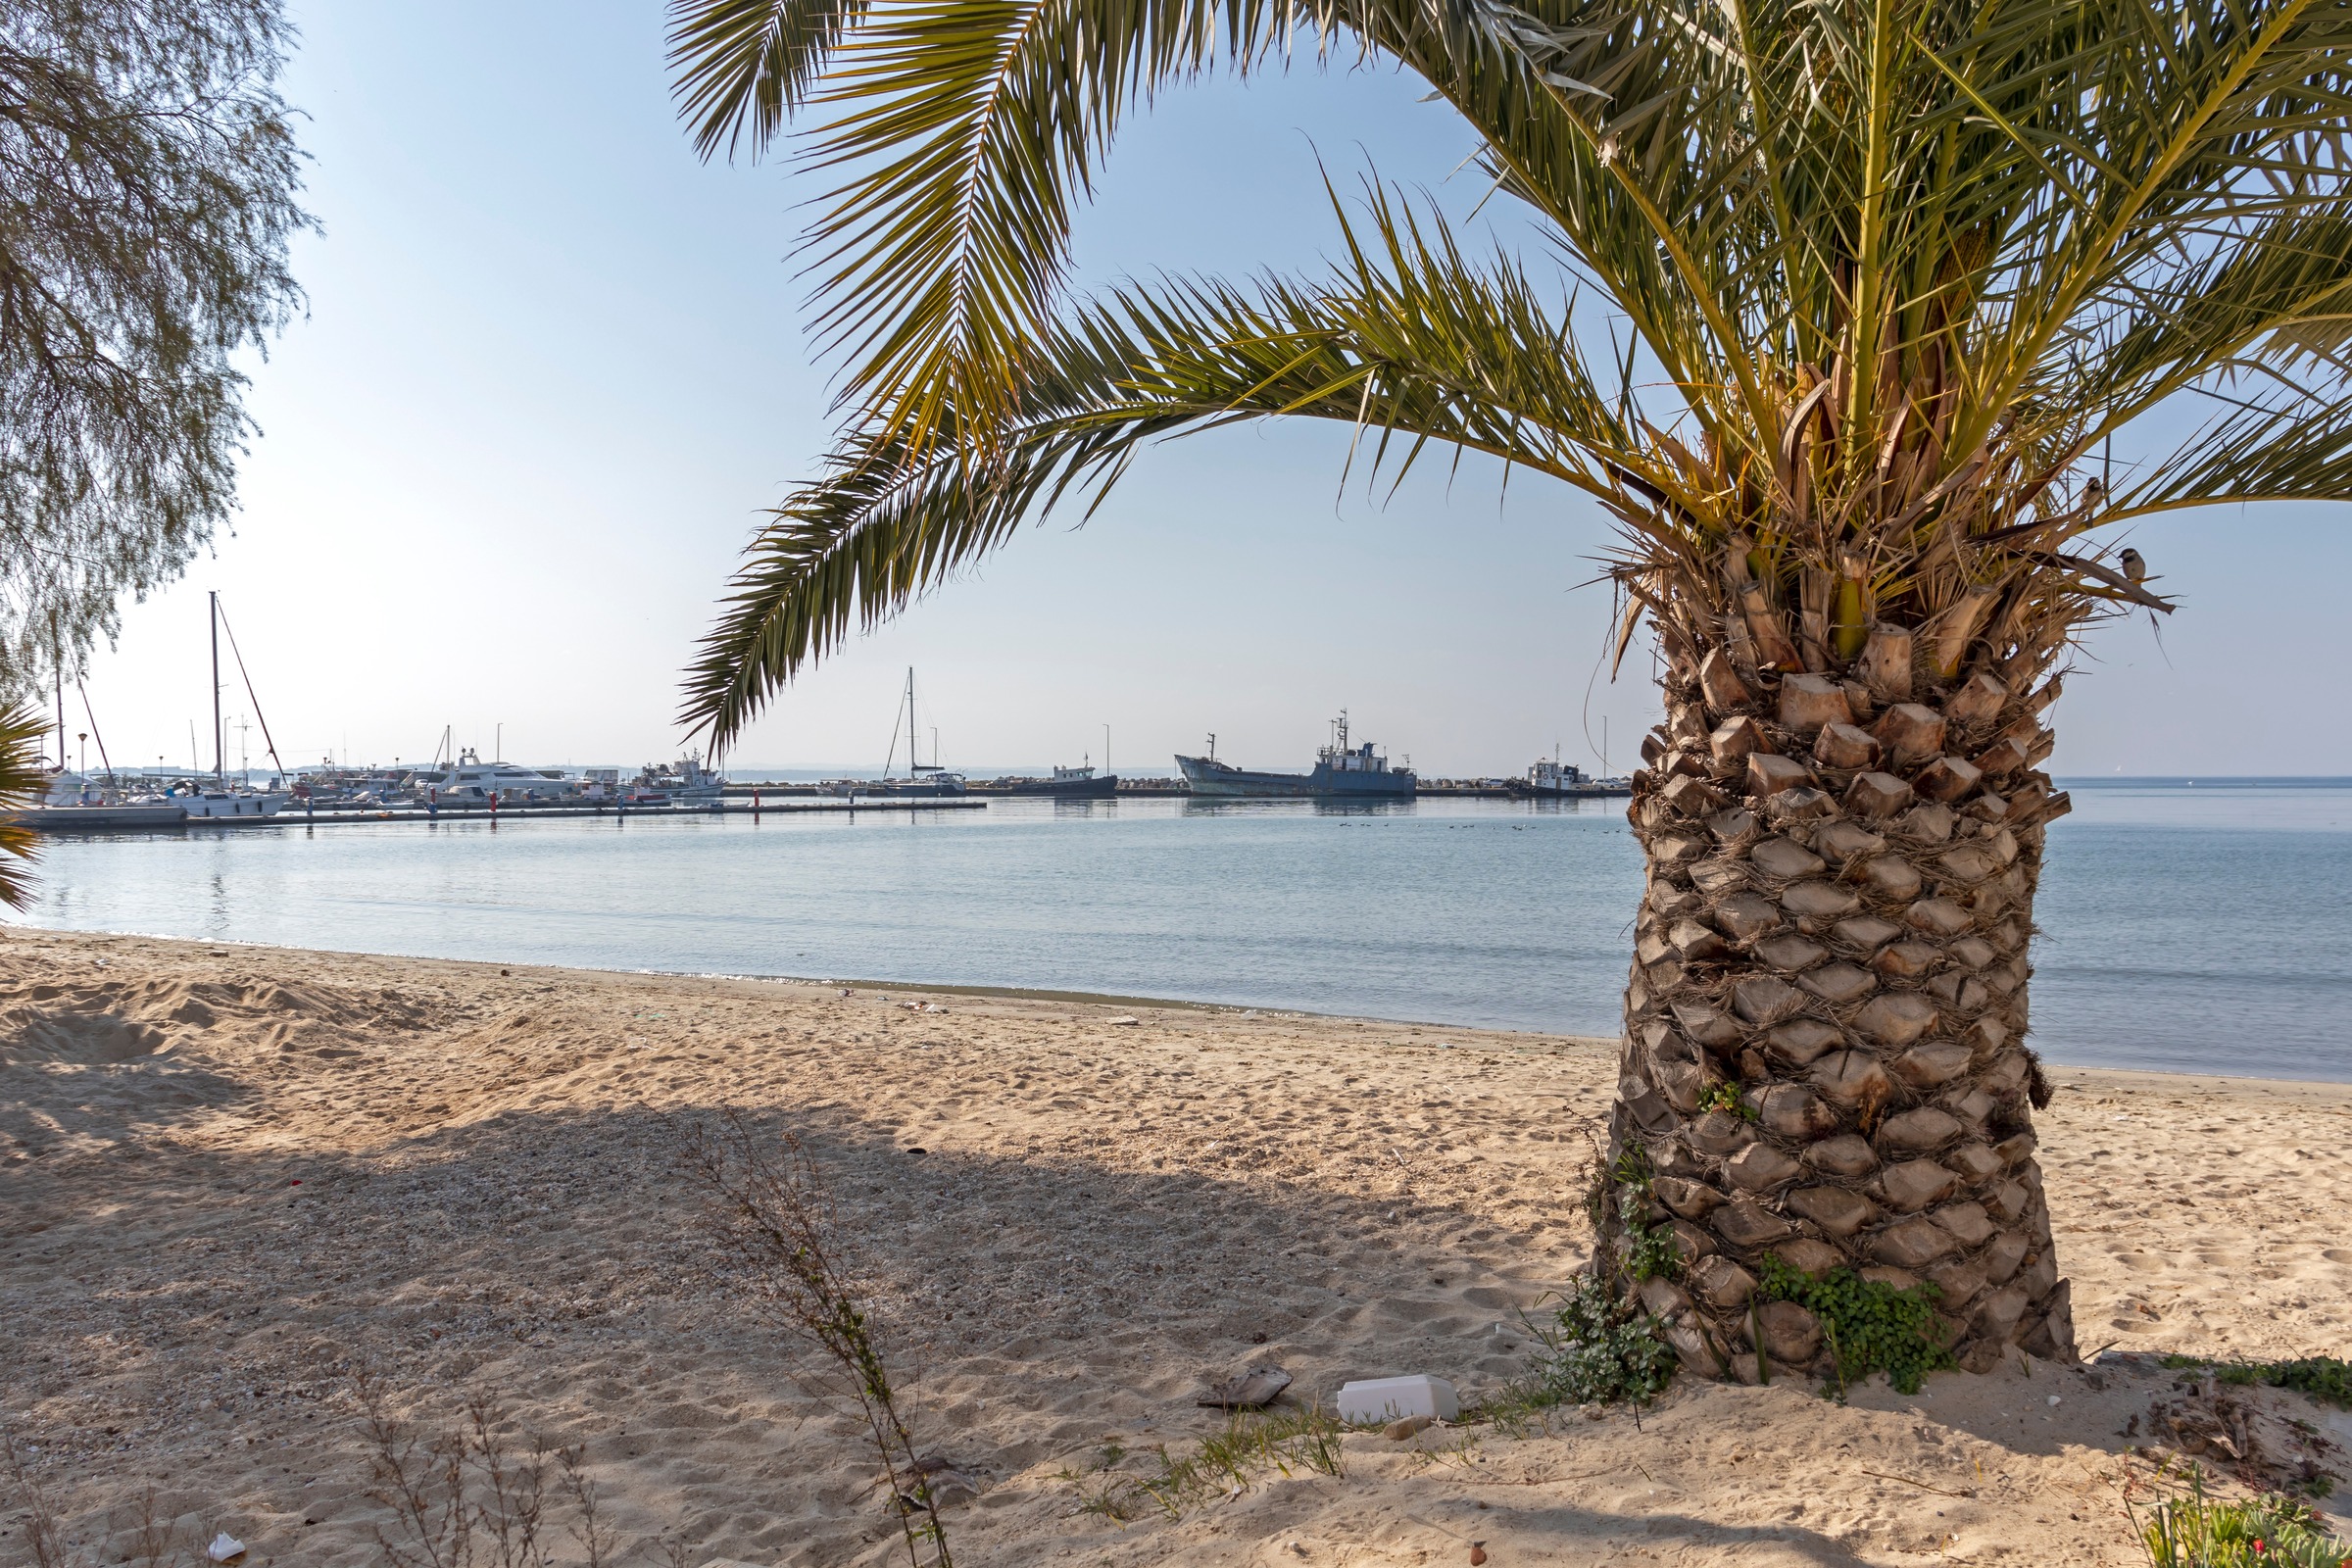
(148, 175)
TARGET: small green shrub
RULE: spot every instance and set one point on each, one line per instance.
(2274, 1532)
(1870, 1325)
(1597, 1350)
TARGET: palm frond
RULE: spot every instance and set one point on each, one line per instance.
(22, 782)
(1407, 340)
(744, 65)
(2278, 448)
(2279, 304)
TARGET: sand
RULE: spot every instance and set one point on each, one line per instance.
(230, 1176)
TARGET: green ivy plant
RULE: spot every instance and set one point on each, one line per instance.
(1870, 1325)
(1649, 1250)
(1650, 1253)
(1599, 1350)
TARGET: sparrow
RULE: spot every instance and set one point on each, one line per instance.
(2135, 567)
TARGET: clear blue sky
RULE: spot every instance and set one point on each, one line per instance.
(553, 367)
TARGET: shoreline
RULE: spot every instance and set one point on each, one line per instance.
(2159, 1077)
(232, 1175)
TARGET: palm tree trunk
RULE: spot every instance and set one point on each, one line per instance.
(1824, 1026)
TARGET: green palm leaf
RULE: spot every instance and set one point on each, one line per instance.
(23, 783)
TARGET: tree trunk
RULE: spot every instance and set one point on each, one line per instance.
(1823, 1027)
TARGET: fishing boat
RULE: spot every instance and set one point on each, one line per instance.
(1550, 779)
(685, 782)
(1342, 770)
(1068, 784)
(1548, 775)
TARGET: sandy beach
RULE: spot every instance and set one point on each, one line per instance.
(231, 1177)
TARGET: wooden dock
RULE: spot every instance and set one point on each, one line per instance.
(290, 817)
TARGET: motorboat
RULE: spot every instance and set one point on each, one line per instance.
(469, 780)
(204, 803)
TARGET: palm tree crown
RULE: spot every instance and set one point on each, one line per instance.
(1902, 267)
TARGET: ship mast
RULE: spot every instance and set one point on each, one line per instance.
(219, 736)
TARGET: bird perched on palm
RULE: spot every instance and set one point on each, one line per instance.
(1892, 272)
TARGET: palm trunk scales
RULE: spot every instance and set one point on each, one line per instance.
(1824, 1025)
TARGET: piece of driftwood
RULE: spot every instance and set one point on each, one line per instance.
(1251, 1388)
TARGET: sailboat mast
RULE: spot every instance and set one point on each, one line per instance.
(220, 738)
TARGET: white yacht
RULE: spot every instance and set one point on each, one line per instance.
(470, 779)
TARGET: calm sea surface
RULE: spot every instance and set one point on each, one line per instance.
(2200, 927)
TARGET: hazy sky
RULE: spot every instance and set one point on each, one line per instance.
(553, 367)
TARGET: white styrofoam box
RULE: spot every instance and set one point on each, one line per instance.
(1395, 1399)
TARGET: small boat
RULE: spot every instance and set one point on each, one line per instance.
(220, 800)
(75, 803)
(205, 803)
(1359, 773)
(685, 782)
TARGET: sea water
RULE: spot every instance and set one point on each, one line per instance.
(2186, 926)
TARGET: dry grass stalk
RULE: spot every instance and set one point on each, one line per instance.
(158, 1541)
(42, 1537)
(461, 1497)
(772, 1214)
